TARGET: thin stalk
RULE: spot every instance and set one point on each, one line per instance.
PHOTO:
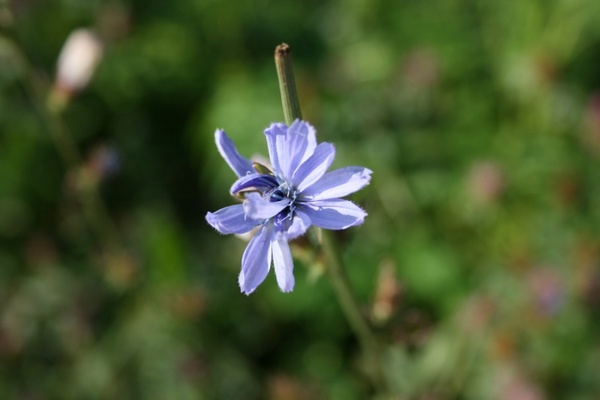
(335, 264)
(48, 108)
(94, 210)
(351, 309)
(287, 83)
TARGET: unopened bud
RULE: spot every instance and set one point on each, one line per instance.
(78, 60)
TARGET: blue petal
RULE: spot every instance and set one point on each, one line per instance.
(256, 261)
(333, 214)
(231, 219)
(289, 147)
(299, 226)
(305, 142)
(284, 264)
(338, 183)
(258, 208)
(240, 165)
(259, 181)
(314, 167)
(275, 135)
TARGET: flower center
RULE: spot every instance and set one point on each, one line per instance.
(282, 192)
(284, 219)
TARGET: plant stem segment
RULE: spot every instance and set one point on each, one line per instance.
(335, 265)
(287, 83)
(93, 206)
(350, 307)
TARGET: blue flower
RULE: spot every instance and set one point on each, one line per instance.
(284, 203)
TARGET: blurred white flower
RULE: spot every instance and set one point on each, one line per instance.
(78, 60)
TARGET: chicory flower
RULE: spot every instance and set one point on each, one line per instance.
(285, 202)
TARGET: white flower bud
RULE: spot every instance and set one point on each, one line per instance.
(78, 60)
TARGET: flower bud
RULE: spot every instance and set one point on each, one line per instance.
(78, 60)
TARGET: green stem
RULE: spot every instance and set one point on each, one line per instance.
(351, 309)
(93, 207)
(335, 265)
(287, 83)
(94, 210)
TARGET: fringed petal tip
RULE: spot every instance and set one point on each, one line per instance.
(247, 292)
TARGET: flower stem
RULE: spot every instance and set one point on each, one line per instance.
(287, 83)
(351, 309)
(50, 113)
(93, 207)
(335, 265)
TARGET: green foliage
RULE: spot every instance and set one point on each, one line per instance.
(478, 263)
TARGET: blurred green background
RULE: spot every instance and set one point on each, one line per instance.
(478, 264)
